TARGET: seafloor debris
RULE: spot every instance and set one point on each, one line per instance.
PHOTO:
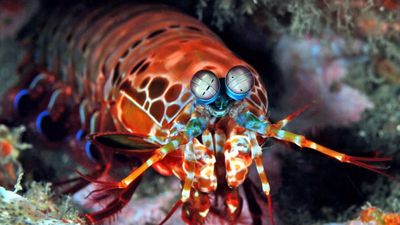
(370, 215)
(10, 147)
(37, 207)
(375, 215)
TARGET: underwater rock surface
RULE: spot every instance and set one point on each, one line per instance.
(36, 208)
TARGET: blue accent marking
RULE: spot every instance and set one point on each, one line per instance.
(79, 134)
(195, 127)
(39, 120)
(207, 101)
(249, 121)
(18, 97)
(87, 151)
(235, 96)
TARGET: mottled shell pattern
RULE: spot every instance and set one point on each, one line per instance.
(142, 60)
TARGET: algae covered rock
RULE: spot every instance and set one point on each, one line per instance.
(36, 207)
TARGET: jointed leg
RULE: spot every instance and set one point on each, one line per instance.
(198, 167)
(302, 142)
(254, 207)
(157, 156)
(251, 122)
(234, 204)
(195, 204)
(195, 127)
(282, 123)
(140, 144)
(188, 167)
(207, 139)
(257, 157)
(121, 199)
(196, 208)
(122, 190)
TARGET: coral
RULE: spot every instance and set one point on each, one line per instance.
(36, 207)
(313, 71)
(386, 197)
(375, 22)
(370, 215)
(10, 147)
(10, 143)
(228, 11)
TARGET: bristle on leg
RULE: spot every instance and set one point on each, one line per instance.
(302, 142)
(122, 197)
(83, 180)
(282, 123)
(171, 212)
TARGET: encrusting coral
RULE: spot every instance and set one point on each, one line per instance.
(370, 215)
(10, 147)
(37, 206)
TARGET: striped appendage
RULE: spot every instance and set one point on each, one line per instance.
(301, 141)
(275, 131)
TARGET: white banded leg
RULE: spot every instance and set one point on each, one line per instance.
(188, 167)
(220, 139)
(257, 157)
(205, 179)
(207, 140)
(256, 154)
(237, 152)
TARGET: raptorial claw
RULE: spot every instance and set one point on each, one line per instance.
(128, 143)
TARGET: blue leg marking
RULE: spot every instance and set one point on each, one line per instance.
(39, 120)
(80, 135)
(17, 99)
(89, 148)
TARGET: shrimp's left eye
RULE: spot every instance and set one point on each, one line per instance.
(239, 81)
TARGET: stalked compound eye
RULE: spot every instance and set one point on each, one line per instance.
(239, 82)
(205, 86)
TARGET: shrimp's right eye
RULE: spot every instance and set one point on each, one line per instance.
(205, 86)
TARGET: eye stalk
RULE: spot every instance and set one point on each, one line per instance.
(205, 86)
(239, 81)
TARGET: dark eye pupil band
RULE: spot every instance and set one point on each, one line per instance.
(239, 82)
(204, 87)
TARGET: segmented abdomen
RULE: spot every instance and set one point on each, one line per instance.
(137, 59)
